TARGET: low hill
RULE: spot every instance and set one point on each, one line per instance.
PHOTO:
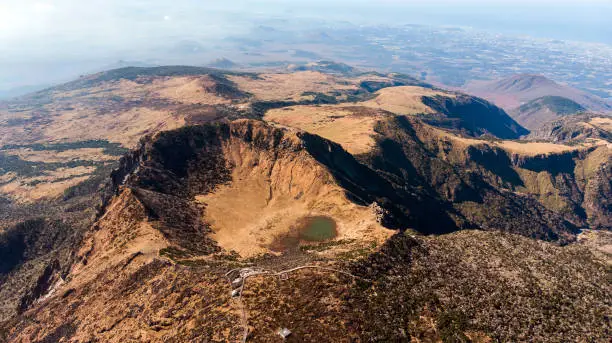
(516, 90)
(547, 108)
(223, 63)
(575, 129)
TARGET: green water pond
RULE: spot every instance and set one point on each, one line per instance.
(307, 229)
(318, 229)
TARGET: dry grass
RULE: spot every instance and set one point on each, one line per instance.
(604, 123)
(51, 185)
(119, 111)
(187, 90)
(516, 147)
(22, 192)
(532, 149)
(52, 156)
(350, 126)
(599, 242)
(404, 100)
(124, 127)
(269, 195)
(290, 87)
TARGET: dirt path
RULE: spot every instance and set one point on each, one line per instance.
(238, 277)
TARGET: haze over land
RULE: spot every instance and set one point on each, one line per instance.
(45, 42)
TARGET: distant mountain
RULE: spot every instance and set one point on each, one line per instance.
(545, 109)
(325, 67)
(18, 91)
(222, 63)
(516, 90)
(125, 64)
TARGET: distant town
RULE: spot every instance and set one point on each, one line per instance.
(451, 56)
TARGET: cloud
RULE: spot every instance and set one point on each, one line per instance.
(43, 7)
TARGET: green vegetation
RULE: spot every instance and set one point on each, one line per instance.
(326, 245)
(557, 104)
(321, 98)
(503, 286)
(136, 73)
(452, 326)
(10, 163)
(92, 184)
(174, 253)
(113, 149)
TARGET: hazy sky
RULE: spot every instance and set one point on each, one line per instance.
(44, 23)
(38, 33)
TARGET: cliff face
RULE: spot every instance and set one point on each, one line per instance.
(473, 116)
(246, 178)
(475, 185)
(425, 182)
(241, 178)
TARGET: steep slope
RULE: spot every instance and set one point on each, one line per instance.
(253, 181)
(575, 129)
(535, 113)
(515, 90)
(490, 186)
(473, 116)
(531, 187)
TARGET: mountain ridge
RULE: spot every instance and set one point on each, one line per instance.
(150, 243)
(515, 90)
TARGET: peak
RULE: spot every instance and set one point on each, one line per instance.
(529, 77)
(222, 63)
(523, 82)
(535, 79)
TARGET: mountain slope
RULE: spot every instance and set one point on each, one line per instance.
(223, 63)
(473, 116)
(535, 113)
(511, 92)
(575, 129)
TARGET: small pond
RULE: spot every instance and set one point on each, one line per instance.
(317, 229)
(307, 229)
